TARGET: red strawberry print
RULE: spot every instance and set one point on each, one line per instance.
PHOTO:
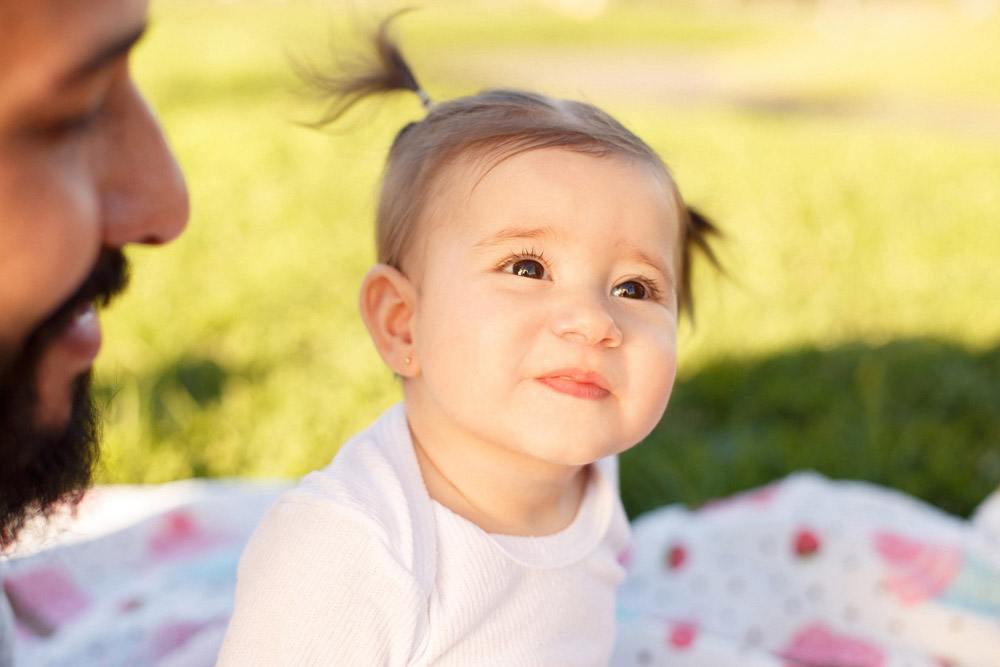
(676, 557)
(806, 543)
(682, 634)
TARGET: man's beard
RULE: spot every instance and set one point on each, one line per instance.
(43, 468)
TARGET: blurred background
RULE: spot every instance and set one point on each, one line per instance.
(850, 149)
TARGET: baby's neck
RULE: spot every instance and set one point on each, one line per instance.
(501, 499)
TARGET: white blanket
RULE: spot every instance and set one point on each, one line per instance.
(805, 571)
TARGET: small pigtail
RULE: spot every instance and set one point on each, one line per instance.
(697, 238)
(346, 85)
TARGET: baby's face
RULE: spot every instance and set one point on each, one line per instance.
(546, 315)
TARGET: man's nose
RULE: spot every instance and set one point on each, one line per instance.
(144, 197)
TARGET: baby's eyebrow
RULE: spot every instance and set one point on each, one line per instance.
(652, 261)
(509, 234)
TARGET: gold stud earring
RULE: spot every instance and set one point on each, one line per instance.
(407, 361)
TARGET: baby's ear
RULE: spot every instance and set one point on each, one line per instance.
(386, 302)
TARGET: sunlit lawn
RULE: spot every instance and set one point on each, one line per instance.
(857, 211)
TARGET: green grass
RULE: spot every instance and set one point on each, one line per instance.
(856, 333)
(917, 414)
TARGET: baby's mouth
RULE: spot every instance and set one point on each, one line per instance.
(576, 383)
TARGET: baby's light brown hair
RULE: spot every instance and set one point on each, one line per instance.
(496, 124)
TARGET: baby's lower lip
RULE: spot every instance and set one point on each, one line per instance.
(575, 388)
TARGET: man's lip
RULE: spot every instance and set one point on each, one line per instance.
(576, 382)
(81, 335)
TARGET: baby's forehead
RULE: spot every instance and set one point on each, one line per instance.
(464, 182)
(460, 177)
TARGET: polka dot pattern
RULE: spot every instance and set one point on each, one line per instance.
(810, 572)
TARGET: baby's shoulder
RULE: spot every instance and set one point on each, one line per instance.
(374, 474)
(372, 490)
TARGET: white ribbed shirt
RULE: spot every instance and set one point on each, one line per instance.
(358, 566)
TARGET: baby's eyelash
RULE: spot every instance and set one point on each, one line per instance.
(524, 254)
(652, 286)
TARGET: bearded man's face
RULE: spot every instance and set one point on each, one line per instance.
(84, 171)
(47, 463)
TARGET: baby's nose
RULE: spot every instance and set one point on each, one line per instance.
(587, 320)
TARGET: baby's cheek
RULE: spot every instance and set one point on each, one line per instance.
(653, 370)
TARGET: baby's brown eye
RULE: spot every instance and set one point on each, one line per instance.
(631, 290)
(528, 268)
